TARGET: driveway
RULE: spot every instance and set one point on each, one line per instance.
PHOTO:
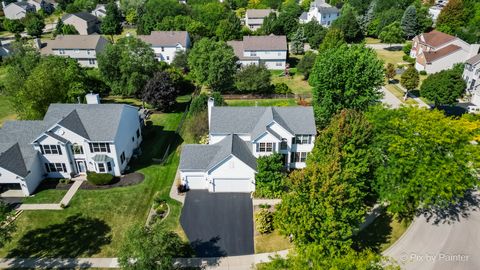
(444, 240)
(218, 224)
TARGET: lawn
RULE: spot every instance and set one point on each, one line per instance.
(6, 111)
(124, 100)
(96, 220)
(388, 56)
(397, 92)
(295, 82)
(261, 102)
(381, 234)
(271, 242)
(46, 196)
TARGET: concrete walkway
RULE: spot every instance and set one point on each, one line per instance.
(55, 206)
(420, 102)
(390, 99)
(224, 263)
(173, 190)
(270, 202)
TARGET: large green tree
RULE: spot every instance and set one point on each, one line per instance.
(270, 178)
(153, 11)
(410, 79)
(347, 22)
(444, 87)
(229, 28)
(333, 38)
(392, 33)
(409, 22)
(452, 17)
(127, 65)
(112, 22)
(345, 77)
(426, 159)
(213, 63)
(253, 79)
(34, 24)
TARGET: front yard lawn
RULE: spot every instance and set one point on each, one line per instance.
(271, 242)
(94, 223)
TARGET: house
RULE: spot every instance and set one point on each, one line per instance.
(436, 51)
(254, 17)
(70, 140)
(471, 75)
(237, 137)
(100, 11)
(320, 11)
(47, 5)
(17, 10)
(166, 44)
(270, 51)
(82, 48)
(84, 22)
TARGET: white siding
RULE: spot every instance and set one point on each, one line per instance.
(167, 54)
(232, 168)
(124, 142)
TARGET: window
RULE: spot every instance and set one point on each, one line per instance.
(253, 53)
(133, 139)
(122, 157)
(303, 139)
(91, 61)
(265, 147)
(168, 57)
(89, 51)
(99, 147)
(163, 49)
(138, 133)
(101, 167)
(61, 51)
(109, 166)
(298, 157)
(55, 167)
(76, 51)
(278, 64)
(51, 149)
(283, 144)
(77, 149)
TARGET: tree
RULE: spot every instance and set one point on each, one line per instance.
(333, 39)
(390, 71)
(271, 25)
(326, 201)
(229, 29)
(13, 26)
(409, 22)
(6, 229)
(150, 248)
(112, 22)
(199, 103)
(444, 87)
(270, 178)
(127, 65)
(410, 79)
(153, 11)
(345, 77)
(287, 20)
(160, 91)
(347, 23)
(297, 42)
(392, 33)
(213, 63)
(181, 60)
(314, 33)
(210, 14)
(452, 17)
(411, 144)
(305, 64)
(69, 29)
(34, 24)
(253, 79)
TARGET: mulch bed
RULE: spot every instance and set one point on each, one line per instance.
(123, 181)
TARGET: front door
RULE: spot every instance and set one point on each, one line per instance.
(81, 168)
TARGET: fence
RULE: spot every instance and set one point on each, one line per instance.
(266, 96)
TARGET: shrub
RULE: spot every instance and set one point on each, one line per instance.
(264, 221)
(408, 59)
(65, 181)
(282, 88)
(99, 179)
(423, 72)
(264, 206)
(407, 48)
(270, 179)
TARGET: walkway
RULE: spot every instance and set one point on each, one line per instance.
(390, 99)
(173, 190)
(225, 263)
(55, 206)
(420, 102)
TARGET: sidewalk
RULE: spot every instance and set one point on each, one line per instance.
(420, 102)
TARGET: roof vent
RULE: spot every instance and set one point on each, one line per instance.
(92, 98)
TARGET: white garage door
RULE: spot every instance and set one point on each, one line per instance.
(196, 182)
(232, 185)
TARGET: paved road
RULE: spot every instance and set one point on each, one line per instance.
(441, 243)
(390, 99)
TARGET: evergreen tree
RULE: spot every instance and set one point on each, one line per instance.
(298, 40)
(409, 22)
(112, 22)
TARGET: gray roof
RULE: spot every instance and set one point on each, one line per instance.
(82, 15)
(101, 158)
(254, 120)
(237, 46)
(258, 13)
(474, 60)
(304, 16)
(324, 7)
(265, 43)
(165, 38)
(205, 157)
(90, 42)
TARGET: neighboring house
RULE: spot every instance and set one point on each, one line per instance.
(47, 5)
(237, 137)
(270, 51)
(436, 9)
(82, 48)
(100, 11)
(17, 10)
(84, 22)
(436, 51)
(70, 140)
(322, 12)
(166, 44)
(471, 75)
(254, 17)
(4, 49)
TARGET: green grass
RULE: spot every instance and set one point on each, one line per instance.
(294, 82)
(96, 220)
(370, 40)
(6, 111)
(393, 57)
(397, 92)
(271, 242)
(381, 234)
(262, 102)
(125, 100)
(46, 196)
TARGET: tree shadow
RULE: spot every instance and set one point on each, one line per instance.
(77, 236)
(394, 48)
(454, 212)
(374, 235)
(208, 248)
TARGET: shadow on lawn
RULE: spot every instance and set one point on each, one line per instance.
(78, 236)
(375, 235)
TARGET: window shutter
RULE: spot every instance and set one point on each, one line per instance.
(91, 148)
(47, 168)
(292, 157)
(257, 145)
(64, 167)
(274, 147)
(108, 147)
(293, 140)
(309, 139)
(59, 149)
(41, 150)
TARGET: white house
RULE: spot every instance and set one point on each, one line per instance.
(237, 137)
(436, 51)
(17, 10)
(471, 75)
(166, 44)
(322, 12)
(70, 140)
(254, 17)
(84, 22)
(100, 11)
(82, 48)
(270, 51)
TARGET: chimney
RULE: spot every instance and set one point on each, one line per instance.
(92, 98)
(210, 104)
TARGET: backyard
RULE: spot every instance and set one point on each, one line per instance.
(96, 220)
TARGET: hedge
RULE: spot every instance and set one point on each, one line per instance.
(99, 179)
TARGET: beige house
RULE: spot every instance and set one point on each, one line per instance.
(270, 51)
(436, 51)
(17, 10)
(84, 22)
(254, 17)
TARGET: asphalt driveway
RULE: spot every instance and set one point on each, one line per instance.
(218, 224)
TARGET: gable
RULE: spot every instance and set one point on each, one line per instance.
(231, 167)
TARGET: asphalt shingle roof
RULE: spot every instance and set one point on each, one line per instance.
(82, 15)
(265, 43)
(165, 38)
(474, 60)
(258, 13)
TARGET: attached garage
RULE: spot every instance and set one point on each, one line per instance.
(233, 185)
(195, 182)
